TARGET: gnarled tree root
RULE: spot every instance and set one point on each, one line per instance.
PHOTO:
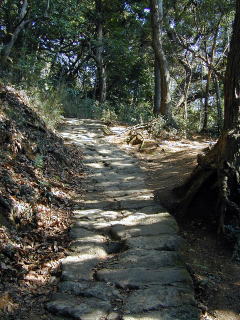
(217, 176)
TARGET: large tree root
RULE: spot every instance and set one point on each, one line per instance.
(215, 185)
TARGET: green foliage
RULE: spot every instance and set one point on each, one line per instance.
(74, 105)
(54, 56)
(134, 114)
(158, 125)
(47, 103)
(109, 116)
(39, 161)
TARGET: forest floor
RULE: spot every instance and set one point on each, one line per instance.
(216, 276)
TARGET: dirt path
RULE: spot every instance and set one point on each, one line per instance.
(123, 262)
(168, 166)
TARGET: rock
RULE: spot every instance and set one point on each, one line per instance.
(78, 233)
(87, 247)
(142, 219)
(148, 145)
(87, 214)
(79, 308)
(135, 139)
(167, 242)
(75, 268)
(98, 290)
(120, 231)
(180, 313)
(136, 278)
(105, 204)
(136, 204)
(158, 297)
(115, 247)
(106, 131)
(149, 259)
(133, 185)
(87, 242)
(154, 209)
(114, 316)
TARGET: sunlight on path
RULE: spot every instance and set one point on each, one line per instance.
(123, 261)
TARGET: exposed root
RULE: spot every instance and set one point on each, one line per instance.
(215, 184)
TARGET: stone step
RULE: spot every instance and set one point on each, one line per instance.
(123, 261)
(179, 313)
(78, 307)
(136, 278)
(149, 259)
(157, 298)
(161, 242)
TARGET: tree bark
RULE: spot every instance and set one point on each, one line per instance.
(157, 88)
(206, 102)
(101, 77)
(210, 62)
(21, 25)
(156, 21)
(183, 100)
(232, 78)
(219, 106)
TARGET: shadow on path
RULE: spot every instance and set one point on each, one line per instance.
(124, 258)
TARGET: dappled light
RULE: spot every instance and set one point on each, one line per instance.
(119, 160)
(121, 239)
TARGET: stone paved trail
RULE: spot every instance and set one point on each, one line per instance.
(123, 262)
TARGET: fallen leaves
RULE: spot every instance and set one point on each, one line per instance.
(35, 219)
(6, 303)
(36, 277)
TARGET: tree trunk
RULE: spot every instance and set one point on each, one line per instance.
(213, 190)
(184, 98)
(210, 61)
(206, 103)
(232, 78)
(101, 77)
(219, 106)
(21, 25)
(156, 21)
(157, 88)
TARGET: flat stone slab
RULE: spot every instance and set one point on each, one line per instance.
(93, 248)
(158, 297)
(79, 308)
(179, 313)
(169, 242)
(135, 278)
(136, 204)
(90, 214)
(97, 226)
(120, 231)
(122, 193)
(98, 290)
(79, 233)
(75, 268)
(148, 259)
(142, 219)
(155, 208)
(97, 214)
(133, 185)
(110, 204)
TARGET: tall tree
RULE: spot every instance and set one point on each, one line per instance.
(22, 21)
(101, 77)
(157, 25)
(216, 179)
